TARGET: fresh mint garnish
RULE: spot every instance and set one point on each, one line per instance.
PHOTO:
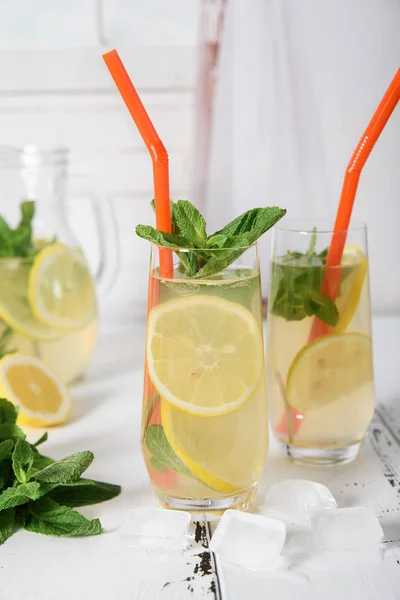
(37, 492)
(49, 518)
(298, 294)
(23, 458)
(66, 470)
(162, 455)
(189, 233)
(18, 241)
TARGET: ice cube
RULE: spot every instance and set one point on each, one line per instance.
(249, 540)
(155, 528)
(295, 500)
(346, 529)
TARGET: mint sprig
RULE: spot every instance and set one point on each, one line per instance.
(18, 241)
(162, 455)
(37, 492)
(207, 255)
(298, 294)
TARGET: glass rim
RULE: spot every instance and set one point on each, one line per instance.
(305, 225)
(176, 250)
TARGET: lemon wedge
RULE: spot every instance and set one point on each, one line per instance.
(354, 269)
(42, 398)
(204, 354)
(61, 291)
(328, 369)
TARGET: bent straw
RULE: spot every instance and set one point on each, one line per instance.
(156, 148)
(331, 282)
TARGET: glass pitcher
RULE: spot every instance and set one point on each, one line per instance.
(48, 305)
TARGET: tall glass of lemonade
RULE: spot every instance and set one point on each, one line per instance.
(205, 424)
(319, 345)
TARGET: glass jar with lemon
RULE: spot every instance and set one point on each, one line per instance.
(48, 305)
(320, 379)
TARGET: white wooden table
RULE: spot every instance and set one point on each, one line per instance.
(106, 420)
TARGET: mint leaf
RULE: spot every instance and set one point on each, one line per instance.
(162, 454)
(22, 461)
(85, 492)
(14, 496)
(167, 240)
(8, 412)
(9, 431)
(42, 439)
(66, 470)
(189, 232)
(6, 449)
(49, 518)
(313, 243)
(7, 519)
(254, 223)
(4, 341)
(41, 462)
(190, 223)
(321, 306)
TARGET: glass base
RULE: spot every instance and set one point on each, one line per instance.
(209, 510)
(320, 457)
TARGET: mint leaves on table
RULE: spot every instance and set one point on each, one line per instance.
(298, 294)
(200, 258)
(162, 455)
(37, 492)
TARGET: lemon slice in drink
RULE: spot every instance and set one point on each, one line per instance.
(328, 369)
(42, 398)
(15, 310)
(204, 354)
(61, 290)
(354, 269)
(183, 432)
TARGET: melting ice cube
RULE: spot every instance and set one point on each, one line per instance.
(346, 529)
(155, 527)
(295, 500)
(249, 540)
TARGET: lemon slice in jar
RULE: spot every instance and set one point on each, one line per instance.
(61, 290)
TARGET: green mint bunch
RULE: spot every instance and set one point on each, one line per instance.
(40, 494)
(300, 278)
(189, 232)
(18, 241)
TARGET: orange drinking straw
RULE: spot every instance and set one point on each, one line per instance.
(156, 148)
(331, 282)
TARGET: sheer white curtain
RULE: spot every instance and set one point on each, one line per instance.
(298, 83)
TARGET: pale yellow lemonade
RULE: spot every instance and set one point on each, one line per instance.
(321, 391)
(205, 409)
(48, 308)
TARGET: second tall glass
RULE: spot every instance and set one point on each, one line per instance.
(319, 347)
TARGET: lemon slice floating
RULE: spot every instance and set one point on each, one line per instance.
(61, 291)
(14, 306)
(42, 398)
(355, 265)
(204, 354)
(328, 369)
